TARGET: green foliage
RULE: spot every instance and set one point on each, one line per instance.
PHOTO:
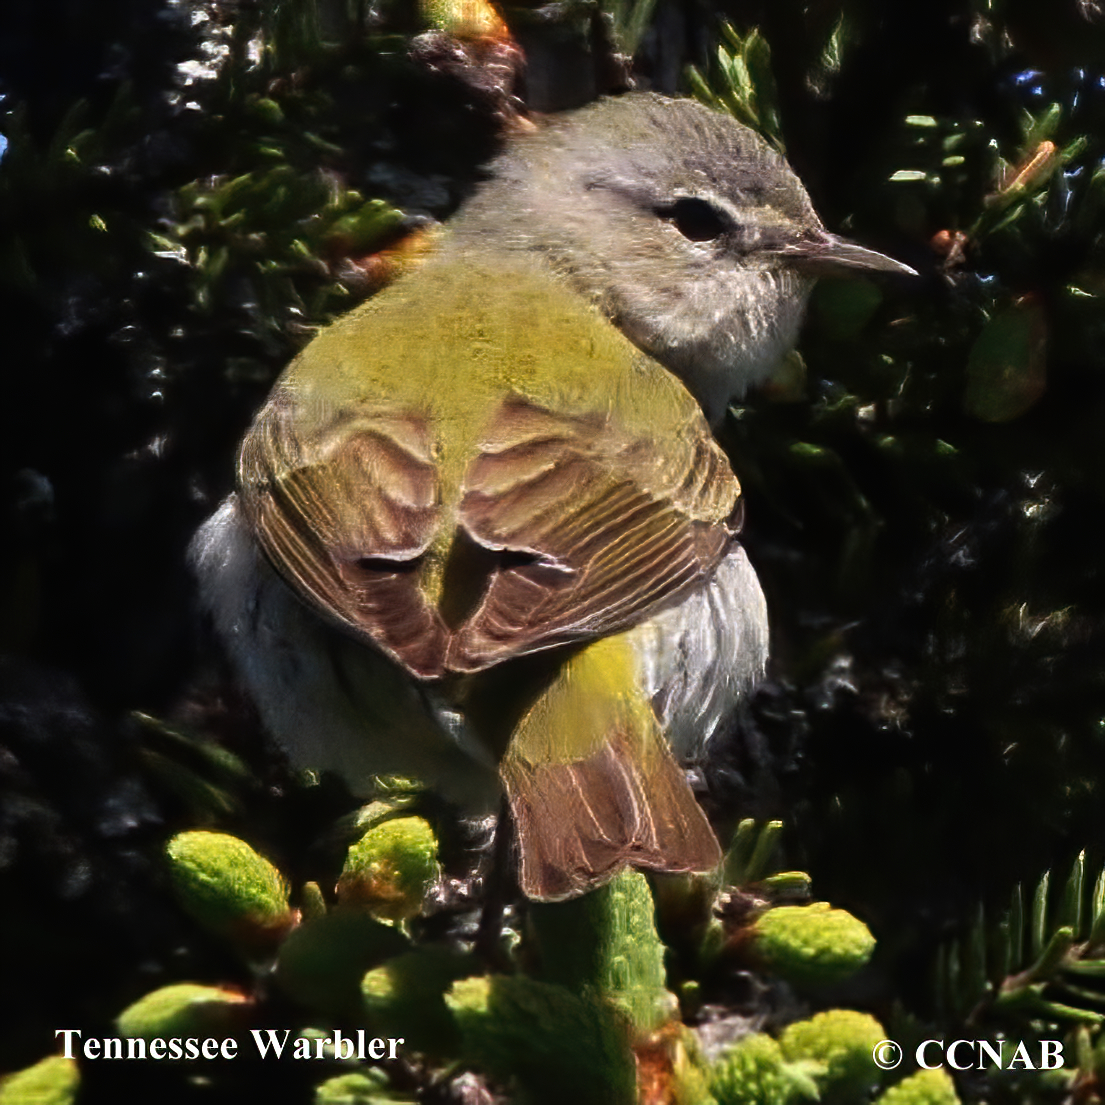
(228, 887)
(1006, 365)
(392, 868)
(405, 996)
(630, 21)
(754, 1071)
(924, 1087)
(51, 1081)
(588, 1014)
(358, 1088)
(322, 961)
(748, 856)
(277, 231)
(741, 83)
(1039, 959)
(812, 945)
(183, 1009)
(840, 1042)
(204, 775)
(557, 1045)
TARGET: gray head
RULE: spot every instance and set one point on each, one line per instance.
(688, 230)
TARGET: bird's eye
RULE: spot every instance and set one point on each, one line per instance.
(696, 219)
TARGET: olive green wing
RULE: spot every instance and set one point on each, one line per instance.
(592, 527)
(521, 424)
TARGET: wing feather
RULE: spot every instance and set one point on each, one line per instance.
(596, 525)
(631, 523)
(343, 512)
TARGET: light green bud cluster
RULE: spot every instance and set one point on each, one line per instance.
(184, 1009)
(369, 1087)
(811, 945)
(323, 961)
(840, 1042)
(405, 996)
(554, 1045)
(51, 1081)
(754, 1071)
(230, 889)
(391, 869)
(926, 1087)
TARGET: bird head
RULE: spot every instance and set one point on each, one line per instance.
(684, 227)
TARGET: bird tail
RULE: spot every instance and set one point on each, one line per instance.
(593, 786)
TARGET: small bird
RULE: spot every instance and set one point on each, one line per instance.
(482, 532)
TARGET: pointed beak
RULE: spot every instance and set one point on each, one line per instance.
(824, 254)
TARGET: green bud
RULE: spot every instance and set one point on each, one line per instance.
(557, 1046)
(391, 869)
(52, 1081)
(405, 997)
(230, 889)
(713, 945)
(368, 1087)
(812, 945)
(183, 1009)
(684, 908)
(268, 110)
(754, 1072)
(470, 999)
(366, 228)
(607, 941)
(312, 900)
(323, 961)
(841, 1042)
(794, 885)
(1007, 365)
(926, 1087)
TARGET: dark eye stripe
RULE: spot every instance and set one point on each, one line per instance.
(696, 219)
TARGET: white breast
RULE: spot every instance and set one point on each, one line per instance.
(700, 658)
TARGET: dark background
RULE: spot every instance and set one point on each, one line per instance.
(924, 493)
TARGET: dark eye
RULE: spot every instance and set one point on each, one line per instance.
(696, 219)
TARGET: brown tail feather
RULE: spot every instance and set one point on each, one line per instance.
(579, 823)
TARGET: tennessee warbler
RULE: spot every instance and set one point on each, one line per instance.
(482, 532)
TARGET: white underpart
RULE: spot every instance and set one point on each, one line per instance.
(334, 704)
(700, 658)
(330, 702)
(720, 333)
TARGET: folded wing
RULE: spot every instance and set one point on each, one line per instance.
(592, 526)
